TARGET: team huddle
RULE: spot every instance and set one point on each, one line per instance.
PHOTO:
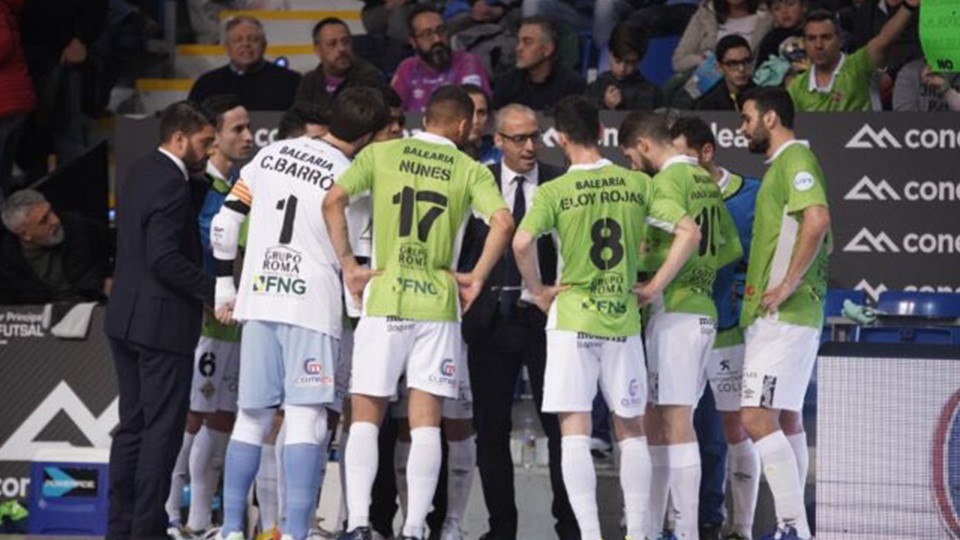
(672, 275)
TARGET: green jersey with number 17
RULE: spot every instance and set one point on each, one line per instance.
(422, 188)
(793, 183)
(683, 188)
(598, 212)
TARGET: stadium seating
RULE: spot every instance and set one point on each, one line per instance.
(920, 304)
(945, 307)
(833, 307)
(657, 65)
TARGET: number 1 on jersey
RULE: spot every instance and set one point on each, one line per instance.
(289, 207)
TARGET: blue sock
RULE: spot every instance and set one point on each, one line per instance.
(301, 469)
(240, 468)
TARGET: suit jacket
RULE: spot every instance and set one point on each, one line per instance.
(159, 286)
(86, 250)
(480, 316)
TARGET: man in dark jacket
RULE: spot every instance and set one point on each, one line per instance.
(49, 257)
(15, 86)
(339, 67)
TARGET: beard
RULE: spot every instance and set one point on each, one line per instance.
(54, 239)
(759, 141)
(647, 166)
(438, 56)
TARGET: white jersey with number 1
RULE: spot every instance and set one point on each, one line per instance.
(290, 271)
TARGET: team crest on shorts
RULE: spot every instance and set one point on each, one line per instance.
(207, 389)
(446, 373)
(313, 374)
(946, 466)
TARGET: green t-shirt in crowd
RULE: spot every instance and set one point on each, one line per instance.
(849, 88)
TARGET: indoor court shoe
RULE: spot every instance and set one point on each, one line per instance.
(783, 532)
(667, 535)
(231, 536)
(270, 534)
(735, 536)
(360, 533)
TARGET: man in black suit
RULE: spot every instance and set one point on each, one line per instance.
(504, 332)
(153, 320)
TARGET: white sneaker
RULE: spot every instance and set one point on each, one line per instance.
(176, 533)
(231, 536)
(451, 531)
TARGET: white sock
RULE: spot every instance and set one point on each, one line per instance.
(206, 465)
(744, 475)
(343, 512)
(461, 460)
(780, 467)
(685, 488)
(798, 441)
(659, 488)
(423, 470)
(360, 465)
(266, 488)
(401, 455)
(580, 479)
(179, 478)
(635, 483)
(281, 481)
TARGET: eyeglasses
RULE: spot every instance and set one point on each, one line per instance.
(737, 65)
(431, 33)
(522, 138)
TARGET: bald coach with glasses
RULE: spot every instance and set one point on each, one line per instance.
(505, 331)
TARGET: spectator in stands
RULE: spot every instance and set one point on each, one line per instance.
(50, 257)
(338, 66)
(304, 119)
(599, 17)
(869, 18)
(387, 17)
(434, 63)
(837, 81)
(623, 87)
(715, 19)
(394, 127)
(16, 87)
(260, 85)
(57, 37)
(480, 143)
(538, 80)
(787, 22)
(920, 89)
(735, 62)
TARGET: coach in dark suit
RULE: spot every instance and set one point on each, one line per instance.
(153, 320)
(504, 332)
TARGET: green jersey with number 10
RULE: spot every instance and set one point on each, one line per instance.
(422, 188)
(598, 212)
(683, 188)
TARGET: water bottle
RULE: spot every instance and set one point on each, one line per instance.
(529, 444)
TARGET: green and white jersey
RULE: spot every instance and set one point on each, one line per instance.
(848, 89)
(793, 183)
(422, 189)
(598, 212)
(683, 188)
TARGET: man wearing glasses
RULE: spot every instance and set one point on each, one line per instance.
(735, 62)
(435, 63)
(505, 331)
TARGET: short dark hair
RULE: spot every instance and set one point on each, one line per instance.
(771, 98)
(628, 38)
(475, 90)
(578, 119)
(697, 133)
(647, 125)
(449, 104)
(822, 15)
(546, 26)
(294, 121)
(721, 9)
(357, 112)
(324, 23)
(218, 105)
(187, 117)
(391, 97)
(418, 10)
(728, 43)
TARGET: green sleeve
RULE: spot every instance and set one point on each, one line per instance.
(669, 204)
(358, 178)
(730, 249)
(796, 88)
(541, 217)
(861, 65)
(485, 196)
(806, 188)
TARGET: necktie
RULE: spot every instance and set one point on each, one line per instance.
(511, 275)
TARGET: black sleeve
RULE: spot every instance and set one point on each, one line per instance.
(92, 21)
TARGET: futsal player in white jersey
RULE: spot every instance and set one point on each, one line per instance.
(289, 303)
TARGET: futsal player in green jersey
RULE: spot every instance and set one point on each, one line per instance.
(783, 299)
(688, 216)
(422, 189)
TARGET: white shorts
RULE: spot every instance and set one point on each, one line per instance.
(342, 378)
(216, 365)
(577, 362)
(387, 347)
(777, 365)
(725, 374)
(283, 363)
(678, 349)
(458, 408)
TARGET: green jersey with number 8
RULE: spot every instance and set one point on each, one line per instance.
(422, 188)
(598, 212)
(683, 188)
